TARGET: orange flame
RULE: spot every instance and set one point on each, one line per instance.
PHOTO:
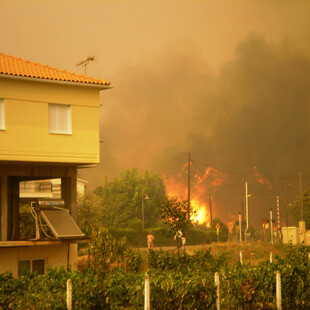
(260, 179)
(178, 187)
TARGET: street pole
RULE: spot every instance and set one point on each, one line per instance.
(143, 209)
(287, 206)
(144, 197)
(301, 200)
(240, 228)
(189, 184)
(278, 218)
(210, 204)
(271, 227)
(246, 210)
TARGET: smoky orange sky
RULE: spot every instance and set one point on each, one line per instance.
(226, 80)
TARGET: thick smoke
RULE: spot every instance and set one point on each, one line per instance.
(253, 113)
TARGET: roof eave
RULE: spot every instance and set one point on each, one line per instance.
(35, 79)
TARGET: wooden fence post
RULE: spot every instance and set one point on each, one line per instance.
(279, 296)
(69, 294)
(147, 292)
(217, 284)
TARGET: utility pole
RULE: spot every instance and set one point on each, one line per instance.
(210, 204)
(189, 184)
(246, 209)
(271, 227)
(286, 204)
(240, 228)
(278, 218)
(142, 195)
(301, 199)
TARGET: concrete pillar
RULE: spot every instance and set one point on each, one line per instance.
(4, 207)
(302, 231)
(69, 194)
(73, 256)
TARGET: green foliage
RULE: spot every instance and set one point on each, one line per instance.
(33, 291)
(163, 236)
(105, 250)
(200, 236)
(116, 290)
(223, 233)
(177, 282)
(177, 214)
(89, 212)
(118, 202)
(199, 261)
(186, 290)
(295, 208)
(133, 259)
(248, 287)
(164, 261)
(26, 222)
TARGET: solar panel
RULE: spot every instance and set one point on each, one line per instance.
(61, 223)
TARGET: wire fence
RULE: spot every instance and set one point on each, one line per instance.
(155, 299)
(201, 299)
(274, 284)
(280, 283)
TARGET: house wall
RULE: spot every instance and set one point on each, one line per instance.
(54, 255)
(27, 137)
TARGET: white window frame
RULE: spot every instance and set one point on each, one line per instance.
(2, 114)
(57, 113)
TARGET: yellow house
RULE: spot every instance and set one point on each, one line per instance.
(49, 126)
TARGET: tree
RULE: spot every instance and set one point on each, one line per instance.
(89, 211)
(105, 249)
(295, 208)
(174, 212)
(121, 199)
(223, 232)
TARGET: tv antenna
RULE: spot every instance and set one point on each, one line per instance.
(85, 62)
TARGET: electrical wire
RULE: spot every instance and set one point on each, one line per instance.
(247, 175)
(214, 179)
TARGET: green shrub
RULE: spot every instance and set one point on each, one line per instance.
(163, 237)
(136, 238)
(133, 259)
(186, 290)
(178, 281)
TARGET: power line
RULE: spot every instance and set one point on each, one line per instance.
(247, 175)
(214, 179)
(220, 169)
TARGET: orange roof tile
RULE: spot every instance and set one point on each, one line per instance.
(14, 66)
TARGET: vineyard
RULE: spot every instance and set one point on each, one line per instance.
(177, 281)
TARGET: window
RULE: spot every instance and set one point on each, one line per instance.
(2, 116)
(59, 118)
(28, 266)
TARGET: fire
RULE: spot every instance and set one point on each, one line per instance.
(178, 187)
(260, 179)
(201, 215)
